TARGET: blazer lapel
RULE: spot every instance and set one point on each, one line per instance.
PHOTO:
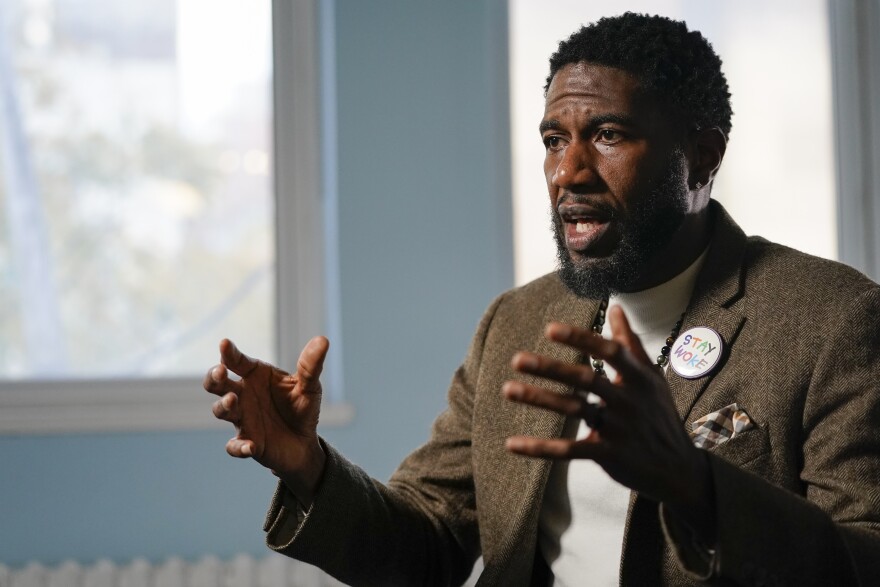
(568, 309)
(718, 286)
(545, 424)
(726, 323)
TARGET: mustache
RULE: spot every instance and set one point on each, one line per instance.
(595, 202)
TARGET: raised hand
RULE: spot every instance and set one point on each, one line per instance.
(275, 413)
(637, 435)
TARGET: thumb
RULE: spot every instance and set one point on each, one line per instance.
(622, 332)
(311, 363)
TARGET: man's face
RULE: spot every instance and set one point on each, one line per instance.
(616, 178)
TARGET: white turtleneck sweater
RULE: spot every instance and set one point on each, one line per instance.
(580, 530)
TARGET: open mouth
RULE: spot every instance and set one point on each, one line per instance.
(584, 227)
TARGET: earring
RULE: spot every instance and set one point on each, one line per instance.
(699, 184)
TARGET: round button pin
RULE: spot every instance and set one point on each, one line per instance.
(695, 352)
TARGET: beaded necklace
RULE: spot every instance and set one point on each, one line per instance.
(662, 358)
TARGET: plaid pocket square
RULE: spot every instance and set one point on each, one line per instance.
(719, 427)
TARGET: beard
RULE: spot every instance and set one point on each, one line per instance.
(647, 228)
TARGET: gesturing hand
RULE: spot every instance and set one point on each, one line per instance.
(637, 435)
(275, 413)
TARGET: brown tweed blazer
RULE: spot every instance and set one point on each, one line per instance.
(797, 497)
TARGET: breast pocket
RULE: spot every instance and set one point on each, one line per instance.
(745, 447)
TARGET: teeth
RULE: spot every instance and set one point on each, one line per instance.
(582, 227)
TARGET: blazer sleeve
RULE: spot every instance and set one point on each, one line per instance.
(829, 535)
(419, 529)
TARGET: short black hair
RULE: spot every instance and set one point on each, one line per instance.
(674, 65)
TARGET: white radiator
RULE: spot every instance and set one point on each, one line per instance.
(274, 570)
(242, 571)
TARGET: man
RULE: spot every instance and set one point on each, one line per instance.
(750, 442)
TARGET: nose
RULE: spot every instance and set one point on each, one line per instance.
(573, 168)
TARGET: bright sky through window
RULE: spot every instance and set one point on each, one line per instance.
(136, 206)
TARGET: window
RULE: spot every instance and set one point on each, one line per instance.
(140, 205)
(777, 179)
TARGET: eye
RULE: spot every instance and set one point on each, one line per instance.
(609, 136)
(553, 143)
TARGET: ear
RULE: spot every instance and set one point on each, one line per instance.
(706, 148)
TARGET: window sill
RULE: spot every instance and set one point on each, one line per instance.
(65, 407)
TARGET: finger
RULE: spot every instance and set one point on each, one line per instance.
(227, 408)
(237, 362)
(217, 381)
(590, 447)
(573, 336)
(574, 375)
(240, 448)
(595, 416)
(581, 377)
(569, 404)
(311, 362)
(612, 351)
(622, 332)
(573, 405)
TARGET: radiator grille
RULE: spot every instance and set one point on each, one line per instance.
(241, 571)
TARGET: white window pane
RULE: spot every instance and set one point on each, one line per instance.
(136, 195)
(777, 179)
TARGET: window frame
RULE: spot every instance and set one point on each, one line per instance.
(306, 265)
(855, 54)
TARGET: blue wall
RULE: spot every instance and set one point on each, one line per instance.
(425, 243)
